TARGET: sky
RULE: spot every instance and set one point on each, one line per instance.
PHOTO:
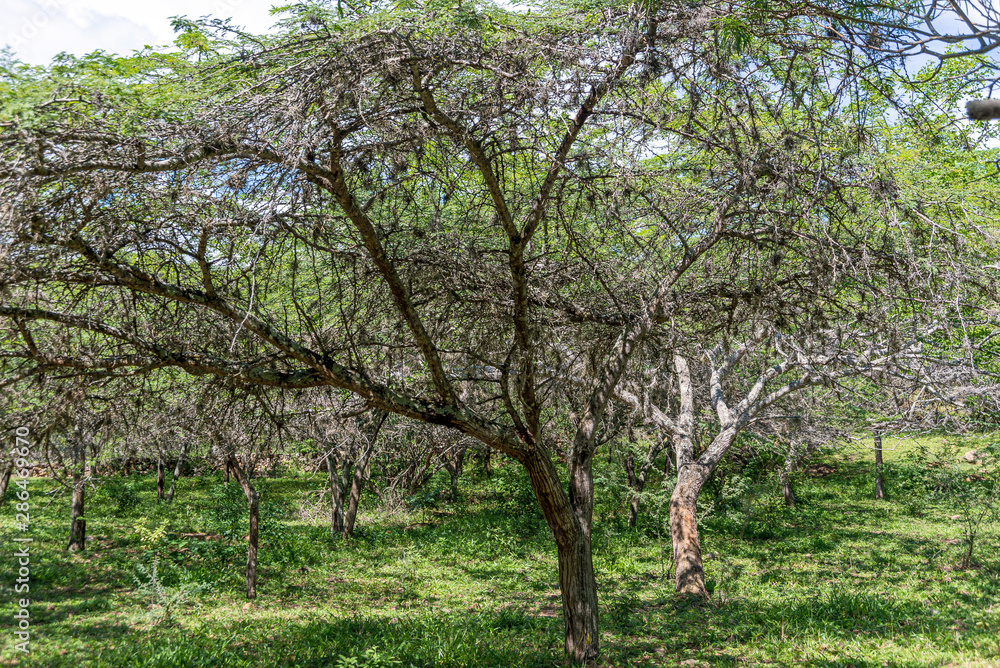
(37, 30)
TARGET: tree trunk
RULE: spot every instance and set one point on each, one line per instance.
(253, 499)
(159, 477)
(252, 542)
(690, 573)
(637, 479)
(358, 481)
(78, 522)
(579, 595)
(787, 491)
(879, 490)
(568, 520)
(785, 477)
(177, 473)
(336, 486)
(225, 476)
(635, 486)
(454, 467)
(8, 470)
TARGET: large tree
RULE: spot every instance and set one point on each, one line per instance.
(432, 208)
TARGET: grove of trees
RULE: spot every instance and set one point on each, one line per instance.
(437, 230)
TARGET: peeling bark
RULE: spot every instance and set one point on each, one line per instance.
(688, 568)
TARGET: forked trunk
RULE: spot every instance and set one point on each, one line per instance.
(78, 522)
(879, 490)
(8, 470)
(690, 572)
(177, 473)
(358, 480)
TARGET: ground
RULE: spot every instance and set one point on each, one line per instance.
(841, 580)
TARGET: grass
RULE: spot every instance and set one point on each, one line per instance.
(841, 580)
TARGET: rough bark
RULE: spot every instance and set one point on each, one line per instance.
(879, 486)
(688, 568)
(78, 522)
(177, 473)
(8, 470)
(577, 583)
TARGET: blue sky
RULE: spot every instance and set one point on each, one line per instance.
(37, 30)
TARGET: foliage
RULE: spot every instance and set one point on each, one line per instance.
(842, 577)
(164, 600)
(123, 493)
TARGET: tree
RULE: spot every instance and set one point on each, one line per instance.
(427, 210)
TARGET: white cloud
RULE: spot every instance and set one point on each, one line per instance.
(39, 29)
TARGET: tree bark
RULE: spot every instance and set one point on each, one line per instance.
(454, 467)
(785, 477)
(879, 487)
(688, 568)
(336, 486)
(358, 480)
(8, 470)
(253, 500)
(78, 522)
(567, 517)
(177, 473)
(633, 484)
(159, 476)
(637, 479)
(252, 542)
(787, 491)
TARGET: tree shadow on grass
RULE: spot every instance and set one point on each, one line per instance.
(496, 638)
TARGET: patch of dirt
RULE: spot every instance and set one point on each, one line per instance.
(550, 610)
(821, 470)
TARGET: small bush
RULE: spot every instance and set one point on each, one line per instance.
(123, 495)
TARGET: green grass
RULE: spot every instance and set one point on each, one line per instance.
(841, 580)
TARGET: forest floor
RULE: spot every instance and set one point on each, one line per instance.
(839, 580)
